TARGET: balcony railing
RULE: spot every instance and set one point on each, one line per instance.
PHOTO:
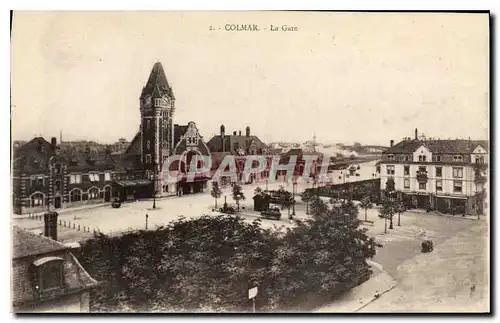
(422, 176)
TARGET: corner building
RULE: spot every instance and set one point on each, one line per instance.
(449, 176)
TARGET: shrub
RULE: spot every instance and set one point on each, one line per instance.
(210, 262)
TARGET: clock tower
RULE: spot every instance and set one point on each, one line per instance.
(157, 105)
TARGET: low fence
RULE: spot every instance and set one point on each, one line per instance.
(68, 224)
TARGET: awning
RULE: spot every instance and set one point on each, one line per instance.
(452, 197)
(132, 183)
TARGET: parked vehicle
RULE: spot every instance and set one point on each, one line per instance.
(271, 213)
(227, 209)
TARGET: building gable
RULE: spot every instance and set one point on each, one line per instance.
(479, 150)
(422, 153)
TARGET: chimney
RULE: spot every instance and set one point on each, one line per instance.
(53, 142)
(247, 130)
(416, 134)
(392, 143)
(239, 133)
(234, 133)
(50, 225)
(223, 137)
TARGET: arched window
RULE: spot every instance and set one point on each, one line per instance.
(76, 195)
(93, 193)
(37, 199)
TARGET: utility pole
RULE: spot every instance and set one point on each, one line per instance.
(147, 221)
(294, 185)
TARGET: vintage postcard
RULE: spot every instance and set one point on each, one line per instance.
(250, 162)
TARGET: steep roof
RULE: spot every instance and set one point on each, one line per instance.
(134, 148)
(179, 131)
(458, 146)
(215, 144)
(157, 84)
(35, 155)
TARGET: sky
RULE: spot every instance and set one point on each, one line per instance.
(344, 77)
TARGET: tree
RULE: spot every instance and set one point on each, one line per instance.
(208, 263)
(387, 212)
(318, 207)
(238, 194)
(306, 198)
(216, 192)
(366, 204)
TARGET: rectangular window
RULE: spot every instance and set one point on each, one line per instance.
(407, 170)
(107, 176)
(407, 183)
(458, 158)
(51, 275)
(439, 171)
(148, 144)
(457, 186)
(407, 158)
(94, 177)
(148, 159)
(439, 186)
(438, 158)
(422, 158)
(422, 186)
(148, 124)
(458, 172)
(390, 157)
(390, 169)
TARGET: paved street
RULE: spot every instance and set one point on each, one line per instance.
(440, 280)
(424, 282)
(131, 216)
(436, 281)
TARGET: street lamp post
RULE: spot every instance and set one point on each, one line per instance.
(153, 178)
(385, 223)
(147, 216)
(392, 210)
(400, 206)
(294, 186)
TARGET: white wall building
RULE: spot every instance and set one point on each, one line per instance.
(446, 175)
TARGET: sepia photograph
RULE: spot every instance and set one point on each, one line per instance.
(250, 162)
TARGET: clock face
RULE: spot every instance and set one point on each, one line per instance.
(164, 101)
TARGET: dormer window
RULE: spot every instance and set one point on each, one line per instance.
(390, 157)
(406, 158)
(94, 177)
(422, 158)
(48, 274)
(458, 158)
